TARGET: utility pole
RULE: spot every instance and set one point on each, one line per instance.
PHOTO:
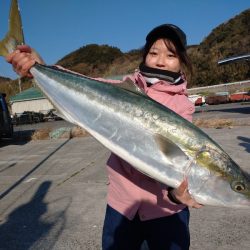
(19, 83)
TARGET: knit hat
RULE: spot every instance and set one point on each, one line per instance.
(169, 31)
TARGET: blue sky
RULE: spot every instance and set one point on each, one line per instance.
(57, 27)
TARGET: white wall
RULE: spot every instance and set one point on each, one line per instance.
(31, 105)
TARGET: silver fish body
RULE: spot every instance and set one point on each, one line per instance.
(152, 138)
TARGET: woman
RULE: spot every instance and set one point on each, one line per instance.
(139, 208)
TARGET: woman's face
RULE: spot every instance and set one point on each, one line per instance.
(160, 57)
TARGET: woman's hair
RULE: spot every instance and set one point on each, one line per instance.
(175, 47)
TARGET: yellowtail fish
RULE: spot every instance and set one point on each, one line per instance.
(152, 138)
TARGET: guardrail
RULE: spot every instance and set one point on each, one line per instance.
(240, 86)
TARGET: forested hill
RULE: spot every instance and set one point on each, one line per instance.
(231, 38)
(101, 60)
(228, 39)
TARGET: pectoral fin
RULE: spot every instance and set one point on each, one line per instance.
(168, 147)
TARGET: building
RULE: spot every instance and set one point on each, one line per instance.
(31, 99)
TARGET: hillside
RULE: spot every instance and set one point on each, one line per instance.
(91, 59)
(228, 39)
(11, 87)
(231, 38)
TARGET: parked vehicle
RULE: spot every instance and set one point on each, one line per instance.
(6, 126)
(27, 117)
(226, 97)
(52, 116)
(216, 99)
(198, 100)
(240, 97)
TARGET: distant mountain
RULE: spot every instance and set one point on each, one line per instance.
(91, 59)
(4, 80)
(228, 39)
(231, 38)
(12, 87)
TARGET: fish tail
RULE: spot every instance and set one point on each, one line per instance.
(14, 35)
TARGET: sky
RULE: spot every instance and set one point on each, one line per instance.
(57, 27)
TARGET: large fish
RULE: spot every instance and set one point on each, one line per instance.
(155, 140)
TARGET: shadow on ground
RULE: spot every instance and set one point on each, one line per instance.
(27, 225)
(19, 138)
(245, 143)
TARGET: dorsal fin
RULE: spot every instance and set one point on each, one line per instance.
(130, 86)
(14, 36)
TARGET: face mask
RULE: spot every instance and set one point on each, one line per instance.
(166, 75)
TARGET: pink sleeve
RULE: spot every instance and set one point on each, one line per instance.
(111, 81)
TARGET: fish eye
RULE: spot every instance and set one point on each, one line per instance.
(239, 186)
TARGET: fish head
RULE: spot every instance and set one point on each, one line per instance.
(221, 181)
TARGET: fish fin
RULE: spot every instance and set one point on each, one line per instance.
(130, 86)
(15, 35)
(168, 147)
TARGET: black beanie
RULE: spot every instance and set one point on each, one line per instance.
(169, 31)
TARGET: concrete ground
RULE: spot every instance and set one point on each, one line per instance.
(53, 196)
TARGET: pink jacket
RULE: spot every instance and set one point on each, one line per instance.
(130, 191)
